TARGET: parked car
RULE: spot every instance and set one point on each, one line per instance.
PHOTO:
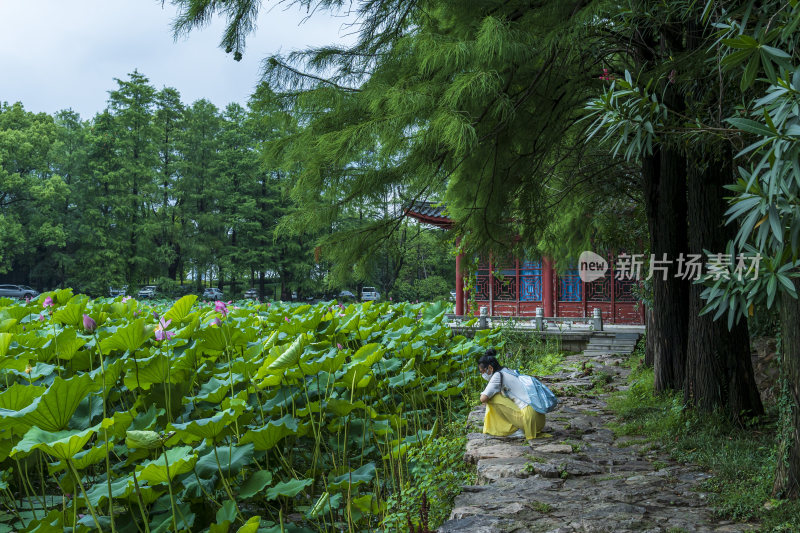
(18, 291)
(369, 293)
(250, 294)
(346, 295)
(118, 291)
(148, 291)
(212, 293)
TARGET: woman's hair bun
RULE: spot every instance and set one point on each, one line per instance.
(491, 352)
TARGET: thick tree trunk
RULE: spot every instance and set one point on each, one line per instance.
(787, 475)
(650, 342)
(664, 179)
(719, 371)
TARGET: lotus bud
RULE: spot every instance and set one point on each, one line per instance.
(89, 324)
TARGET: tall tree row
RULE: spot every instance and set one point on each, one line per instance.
(149, 190)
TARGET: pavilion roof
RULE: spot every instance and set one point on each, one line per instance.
(429, 213)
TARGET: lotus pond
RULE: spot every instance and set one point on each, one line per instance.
(191, 416)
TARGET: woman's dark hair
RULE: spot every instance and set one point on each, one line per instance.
(489, 359)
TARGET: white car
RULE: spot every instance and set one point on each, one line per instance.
(148, 291)
(369, 293)
(212, 293)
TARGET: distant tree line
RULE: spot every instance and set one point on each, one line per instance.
(153, 190)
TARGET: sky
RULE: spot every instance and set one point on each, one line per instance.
(59, 54)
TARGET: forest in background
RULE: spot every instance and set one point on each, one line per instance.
(154, 190)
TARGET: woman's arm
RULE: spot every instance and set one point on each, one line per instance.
(492, 388)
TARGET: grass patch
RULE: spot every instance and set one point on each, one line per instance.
(741, 460)
(532, 355)
(541, 507)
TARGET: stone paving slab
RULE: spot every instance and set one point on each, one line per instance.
(582, 478)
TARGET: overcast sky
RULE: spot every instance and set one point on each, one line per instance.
(59, 54)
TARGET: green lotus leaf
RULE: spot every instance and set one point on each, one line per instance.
(289, 489)
(149, 440)
(177, 461)
(255, 483)
(51, 523)
(369, 354)
(354, 478)
(291, 356)
(19, 396)
(60, 444)
(225, 517)
(320, 506)
(368, 504)
(120, 488)
(110, 375)
(231, 460)
(328, 362)
(52, 410)
(67, 343)
(162, 522)
(142, 373)
(90, 408)
(180, 309)
(269, 435)
(7, 324)
(5, 342)
(352, 377)
(251, 526)
(127, 338)
(214, 390)
(71, 314)
(92, 456)
(11, 363)
(343, 407)
(403, 379)
(206, 428)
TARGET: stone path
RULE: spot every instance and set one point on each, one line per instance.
(582, 478)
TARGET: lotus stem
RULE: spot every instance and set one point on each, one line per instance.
(105, 432)
(141, 502)
(83, 491)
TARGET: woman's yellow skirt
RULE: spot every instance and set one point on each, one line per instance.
(503, 418)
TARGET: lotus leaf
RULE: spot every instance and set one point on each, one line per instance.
(52, 410)
(231, 460)
(127, 338)
(60, 444)
(180, 309)
(206, 428)
(289, 489)
(5, 342)
(255, 483)
(168, 466)
(268, 436)
(354, 478)
(291, 356)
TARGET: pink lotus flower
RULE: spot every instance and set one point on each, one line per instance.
(125, 299)
(155, 315)
(216, 322)
(89, 324)
(41, 317)
(27, 298)
(161, 332)
(220, 307)
(286, 318)
(48, 302)
(339, 346)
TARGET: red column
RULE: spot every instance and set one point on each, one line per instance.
(459, 284)
(547, 286)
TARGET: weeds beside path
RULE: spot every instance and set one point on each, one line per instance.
(584, 477)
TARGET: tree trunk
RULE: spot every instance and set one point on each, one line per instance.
(664, 180)
(787, 475)
(651, 343)
(719, 371)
